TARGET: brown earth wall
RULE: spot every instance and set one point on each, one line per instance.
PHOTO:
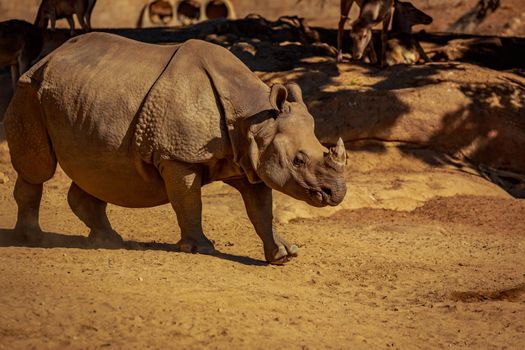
(508, 20)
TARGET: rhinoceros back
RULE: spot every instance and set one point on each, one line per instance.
(90, 91)
(94, 85)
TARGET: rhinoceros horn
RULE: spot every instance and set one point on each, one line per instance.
(337, 156)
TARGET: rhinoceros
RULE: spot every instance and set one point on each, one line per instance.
(141, 125)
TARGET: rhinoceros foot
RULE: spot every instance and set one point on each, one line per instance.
(105, 238)
(280, 252)
(29, 235)
(194, 245)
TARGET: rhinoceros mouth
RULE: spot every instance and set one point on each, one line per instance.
(321, 197)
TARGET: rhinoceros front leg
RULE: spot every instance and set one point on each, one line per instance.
(258, 201)
(92, 212)
(183, 185)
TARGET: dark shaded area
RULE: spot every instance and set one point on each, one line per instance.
(501, 53)
(470, 20)
(395, 79)
(491, 122)
(263, 45)
(188, 11)
(366, 115)
(6, 92)
(216, 9)
(289, 39)
(49, 240)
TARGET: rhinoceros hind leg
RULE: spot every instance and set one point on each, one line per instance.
(31, 155)
(183, 185)
(92, 212)
(258, 202)
(27, 197)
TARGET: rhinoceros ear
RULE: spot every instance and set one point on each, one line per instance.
(278, 95)
(295, 93)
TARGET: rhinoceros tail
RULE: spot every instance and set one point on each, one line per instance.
(29, 144)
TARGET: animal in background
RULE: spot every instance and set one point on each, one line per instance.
(158, 13)
(20, 44)
(372, 12)
(188, 12)
(402, 47)
(161, 11)
(52, 10)
(156, 125)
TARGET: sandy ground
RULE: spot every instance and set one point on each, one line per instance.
(418, 256)
(450, 273)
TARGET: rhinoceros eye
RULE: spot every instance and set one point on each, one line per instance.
(300, 160)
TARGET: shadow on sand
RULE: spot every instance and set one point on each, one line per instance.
(8, 238)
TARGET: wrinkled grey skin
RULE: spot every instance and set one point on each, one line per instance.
(141, 125)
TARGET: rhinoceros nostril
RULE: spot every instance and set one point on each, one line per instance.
(326, 191)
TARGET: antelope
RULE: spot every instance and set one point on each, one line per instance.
(402, 47)
(20, 44)
(372, 12)
(51, 10)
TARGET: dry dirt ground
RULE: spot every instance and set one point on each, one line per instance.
(450, 273)
(423, 253)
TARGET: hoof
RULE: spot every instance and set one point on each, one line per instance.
(281, 253)
(342, 58)
(190, 245)
(105, 238)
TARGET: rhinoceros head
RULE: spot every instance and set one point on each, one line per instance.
(288, 157)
